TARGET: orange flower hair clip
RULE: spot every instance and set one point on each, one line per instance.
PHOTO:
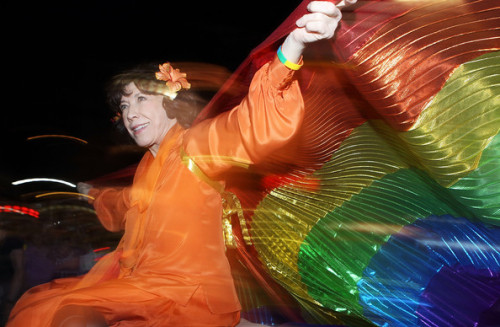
(175, 80)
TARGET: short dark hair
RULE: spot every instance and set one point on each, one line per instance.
(205, 80)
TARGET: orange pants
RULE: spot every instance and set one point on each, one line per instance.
(121, 304)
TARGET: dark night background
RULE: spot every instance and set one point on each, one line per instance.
(59, 55)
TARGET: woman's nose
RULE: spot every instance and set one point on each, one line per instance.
(132, 113)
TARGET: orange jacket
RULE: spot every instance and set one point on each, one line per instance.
(172, 219)
(173, 243)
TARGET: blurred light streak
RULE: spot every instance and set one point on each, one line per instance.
(58, 136)
(20, 209)
(458, 245)
(29, 180)
(374, 228)
(232, 160)
(100, 256)
(65, 193)
(102, 249)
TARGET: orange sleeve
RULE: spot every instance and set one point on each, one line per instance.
(111, 204)
(267, 119)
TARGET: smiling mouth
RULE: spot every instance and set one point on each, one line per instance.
(139, 128)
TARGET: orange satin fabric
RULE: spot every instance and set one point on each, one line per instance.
(170, 265)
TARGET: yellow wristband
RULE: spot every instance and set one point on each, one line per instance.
(287, 63)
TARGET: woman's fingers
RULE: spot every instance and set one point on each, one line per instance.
(321, 23)
(323, 7)
(345, 3)
(317, 17)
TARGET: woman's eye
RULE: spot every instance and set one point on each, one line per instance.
(123, 107)
(141, 98)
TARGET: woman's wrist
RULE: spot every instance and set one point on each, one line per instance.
(284, 60)
(292, 50)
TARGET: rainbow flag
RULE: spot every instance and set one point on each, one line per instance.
(385, 212)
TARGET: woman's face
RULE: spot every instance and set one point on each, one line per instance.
(145, 118)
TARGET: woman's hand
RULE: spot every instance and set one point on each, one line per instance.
(320, 24)
(83, 188)
(345, 3)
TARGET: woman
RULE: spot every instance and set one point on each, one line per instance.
(170, 267)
